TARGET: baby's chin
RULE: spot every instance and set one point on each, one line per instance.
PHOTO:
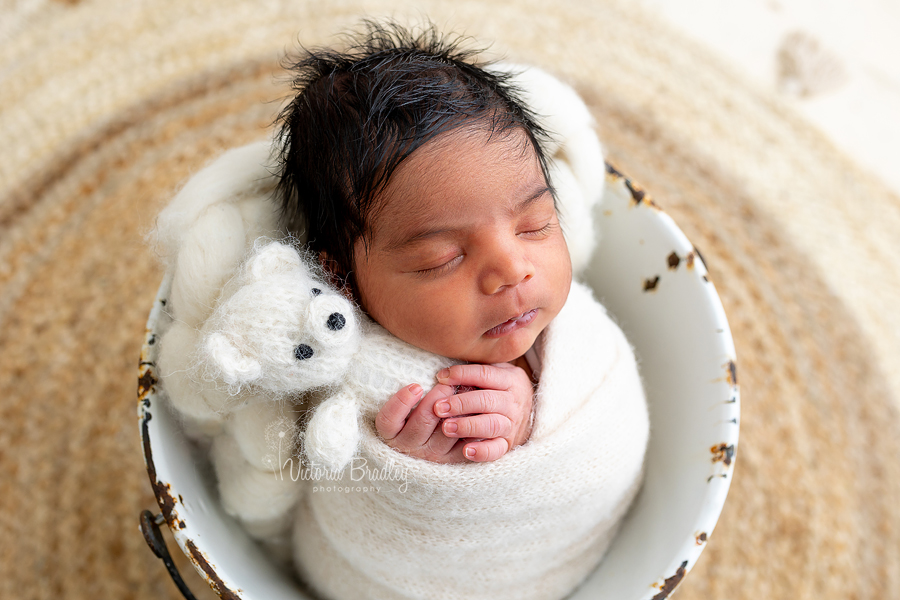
(505, 349)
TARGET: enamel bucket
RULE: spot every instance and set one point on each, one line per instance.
(654, 283)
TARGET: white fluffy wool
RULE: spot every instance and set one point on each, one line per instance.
(533, 524)
(208, 226)
(239, 174)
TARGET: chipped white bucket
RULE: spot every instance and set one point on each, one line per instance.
(654, 283)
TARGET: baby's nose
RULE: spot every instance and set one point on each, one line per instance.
(506, 271)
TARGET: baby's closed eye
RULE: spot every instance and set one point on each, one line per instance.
(539, 232)
(444, 267)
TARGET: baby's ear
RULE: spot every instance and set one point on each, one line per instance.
(235, 368)
(273, 258)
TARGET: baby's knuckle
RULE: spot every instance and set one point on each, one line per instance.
(494, 401)
(494, 426)
(444, 390)
(382, 423)
(484, 371)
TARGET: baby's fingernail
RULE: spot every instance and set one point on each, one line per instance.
(415, 389)
(443, 375)
(442, 408)
(450, 427)
(470, 452)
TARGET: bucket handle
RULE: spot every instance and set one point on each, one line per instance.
(153, 536)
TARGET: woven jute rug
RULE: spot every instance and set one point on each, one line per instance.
(105, 109)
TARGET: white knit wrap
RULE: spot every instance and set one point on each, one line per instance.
(532, 524)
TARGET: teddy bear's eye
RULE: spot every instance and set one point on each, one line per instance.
(302, 352)
(315, 292)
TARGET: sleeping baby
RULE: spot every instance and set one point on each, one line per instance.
(426, 188)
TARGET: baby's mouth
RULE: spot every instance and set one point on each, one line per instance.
(512, 324)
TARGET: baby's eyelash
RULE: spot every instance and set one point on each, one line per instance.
(440, 269)
(542, 231)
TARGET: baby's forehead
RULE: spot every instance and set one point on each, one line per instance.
(512, 145)
(456, 181)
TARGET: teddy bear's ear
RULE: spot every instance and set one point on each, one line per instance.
(273, 258)
(235, 368)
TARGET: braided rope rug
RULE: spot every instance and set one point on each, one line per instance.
(104, 109)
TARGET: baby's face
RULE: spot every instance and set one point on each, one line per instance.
(466, 257)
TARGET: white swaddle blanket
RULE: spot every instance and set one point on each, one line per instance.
(533, 524)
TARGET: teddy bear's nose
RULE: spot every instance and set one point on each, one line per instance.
(336, 321)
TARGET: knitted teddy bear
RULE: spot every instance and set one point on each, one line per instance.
(277, 331)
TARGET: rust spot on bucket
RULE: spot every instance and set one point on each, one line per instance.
(162, 491)
(672, 582)
(723, 452)
(673, 261)
(701, 538)
(731, 375)
(215, 582)
(146, 379)
(650, 284)
(637, 194)
(145, 382)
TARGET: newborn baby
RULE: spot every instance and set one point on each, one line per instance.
(423, 184)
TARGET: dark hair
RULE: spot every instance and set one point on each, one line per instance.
(358, 113)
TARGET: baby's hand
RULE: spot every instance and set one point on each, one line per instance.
(495, 417)
(407, 422)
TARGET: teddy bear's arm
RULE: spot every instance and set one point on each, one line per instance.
(332, 434)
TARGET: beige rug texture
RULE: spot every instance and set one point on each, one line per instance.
(105, 107)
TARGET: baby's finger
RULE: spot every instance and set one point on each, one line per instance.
(474, 402)
(486, 425)
(439, 445)
(392, 416)
(486, 450)
(477, 375)
(422, 421)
